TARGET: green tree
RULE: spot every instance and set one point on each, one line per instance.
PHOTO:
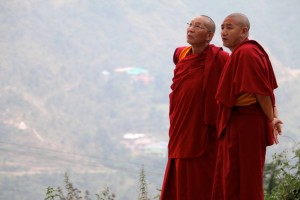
(74, 193)
(143, 195)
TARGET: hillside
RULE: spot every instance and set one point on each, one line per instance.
(76, 76)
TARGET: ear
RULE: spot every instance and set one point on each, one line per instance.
(245, 31)
(209, 36)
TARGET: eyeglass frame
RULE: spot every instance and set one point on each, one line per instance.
(197, 27)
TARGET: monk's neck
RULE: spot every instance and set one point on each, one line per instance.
(199, 49)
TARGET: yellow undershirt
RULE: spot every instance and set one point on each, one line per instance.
(184, 52)
(246, 99)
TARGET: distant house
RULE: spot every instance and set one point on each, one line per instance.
(137, 73)
(141, 143)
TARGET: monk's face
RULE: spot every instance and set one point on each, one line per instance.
(233, 33)
(197, 32)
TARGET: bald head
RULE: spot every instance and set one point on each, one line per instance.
(235, 29)
(241, 19)
(210, 25)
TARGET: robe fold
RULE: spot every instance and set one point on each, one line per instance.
(193, 108)
(243, 131)
(192, 144)
(248, 70)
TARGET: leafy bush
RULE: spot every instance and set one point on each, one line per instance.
(283, 177)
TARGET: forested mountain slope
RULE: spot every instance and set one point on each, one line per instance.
(78, 75)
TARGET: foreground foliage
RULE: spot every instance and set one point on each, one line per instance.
(75, 194)
(282, 181)
(283, 176)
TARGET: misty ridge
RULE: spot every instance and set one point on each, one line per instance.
(85, 85)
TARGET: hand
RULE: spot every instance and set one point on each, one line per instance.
(277, 128)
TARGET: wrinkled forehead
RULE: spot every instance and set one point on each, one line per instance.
(199, 20)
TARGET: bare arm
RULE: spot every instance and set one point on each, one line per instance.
(266, 105)
(277, 122)
(271, 113)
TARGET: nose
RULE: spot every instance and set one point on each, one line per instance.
(189, 28)
(223, 32)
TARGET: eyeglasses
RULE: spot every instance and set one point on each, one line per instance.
(196, 27)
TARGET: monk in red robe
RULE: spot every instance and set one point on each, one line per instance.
(192, 147)
(247, 119)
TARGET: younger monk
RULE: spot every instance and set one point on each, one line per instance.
(193, 111)
(247, 119)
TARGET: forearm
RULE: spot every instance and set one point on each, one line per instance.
(271, 112)
(275, 112)
(266, 105)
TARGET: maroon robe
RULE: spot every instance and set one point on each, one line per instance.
(192, 135)
(243, 131)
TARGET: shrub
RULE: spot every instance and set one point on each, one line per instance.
(283, 177)
(74, 193)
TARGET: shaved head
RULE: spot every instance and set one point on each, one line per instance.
(235, 29)
(210, 23)
(241, 19)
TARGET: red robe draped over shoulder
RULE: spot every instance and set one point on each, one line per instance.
(248, 70)
(243, 131)
(192, 133)
(193, 108)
